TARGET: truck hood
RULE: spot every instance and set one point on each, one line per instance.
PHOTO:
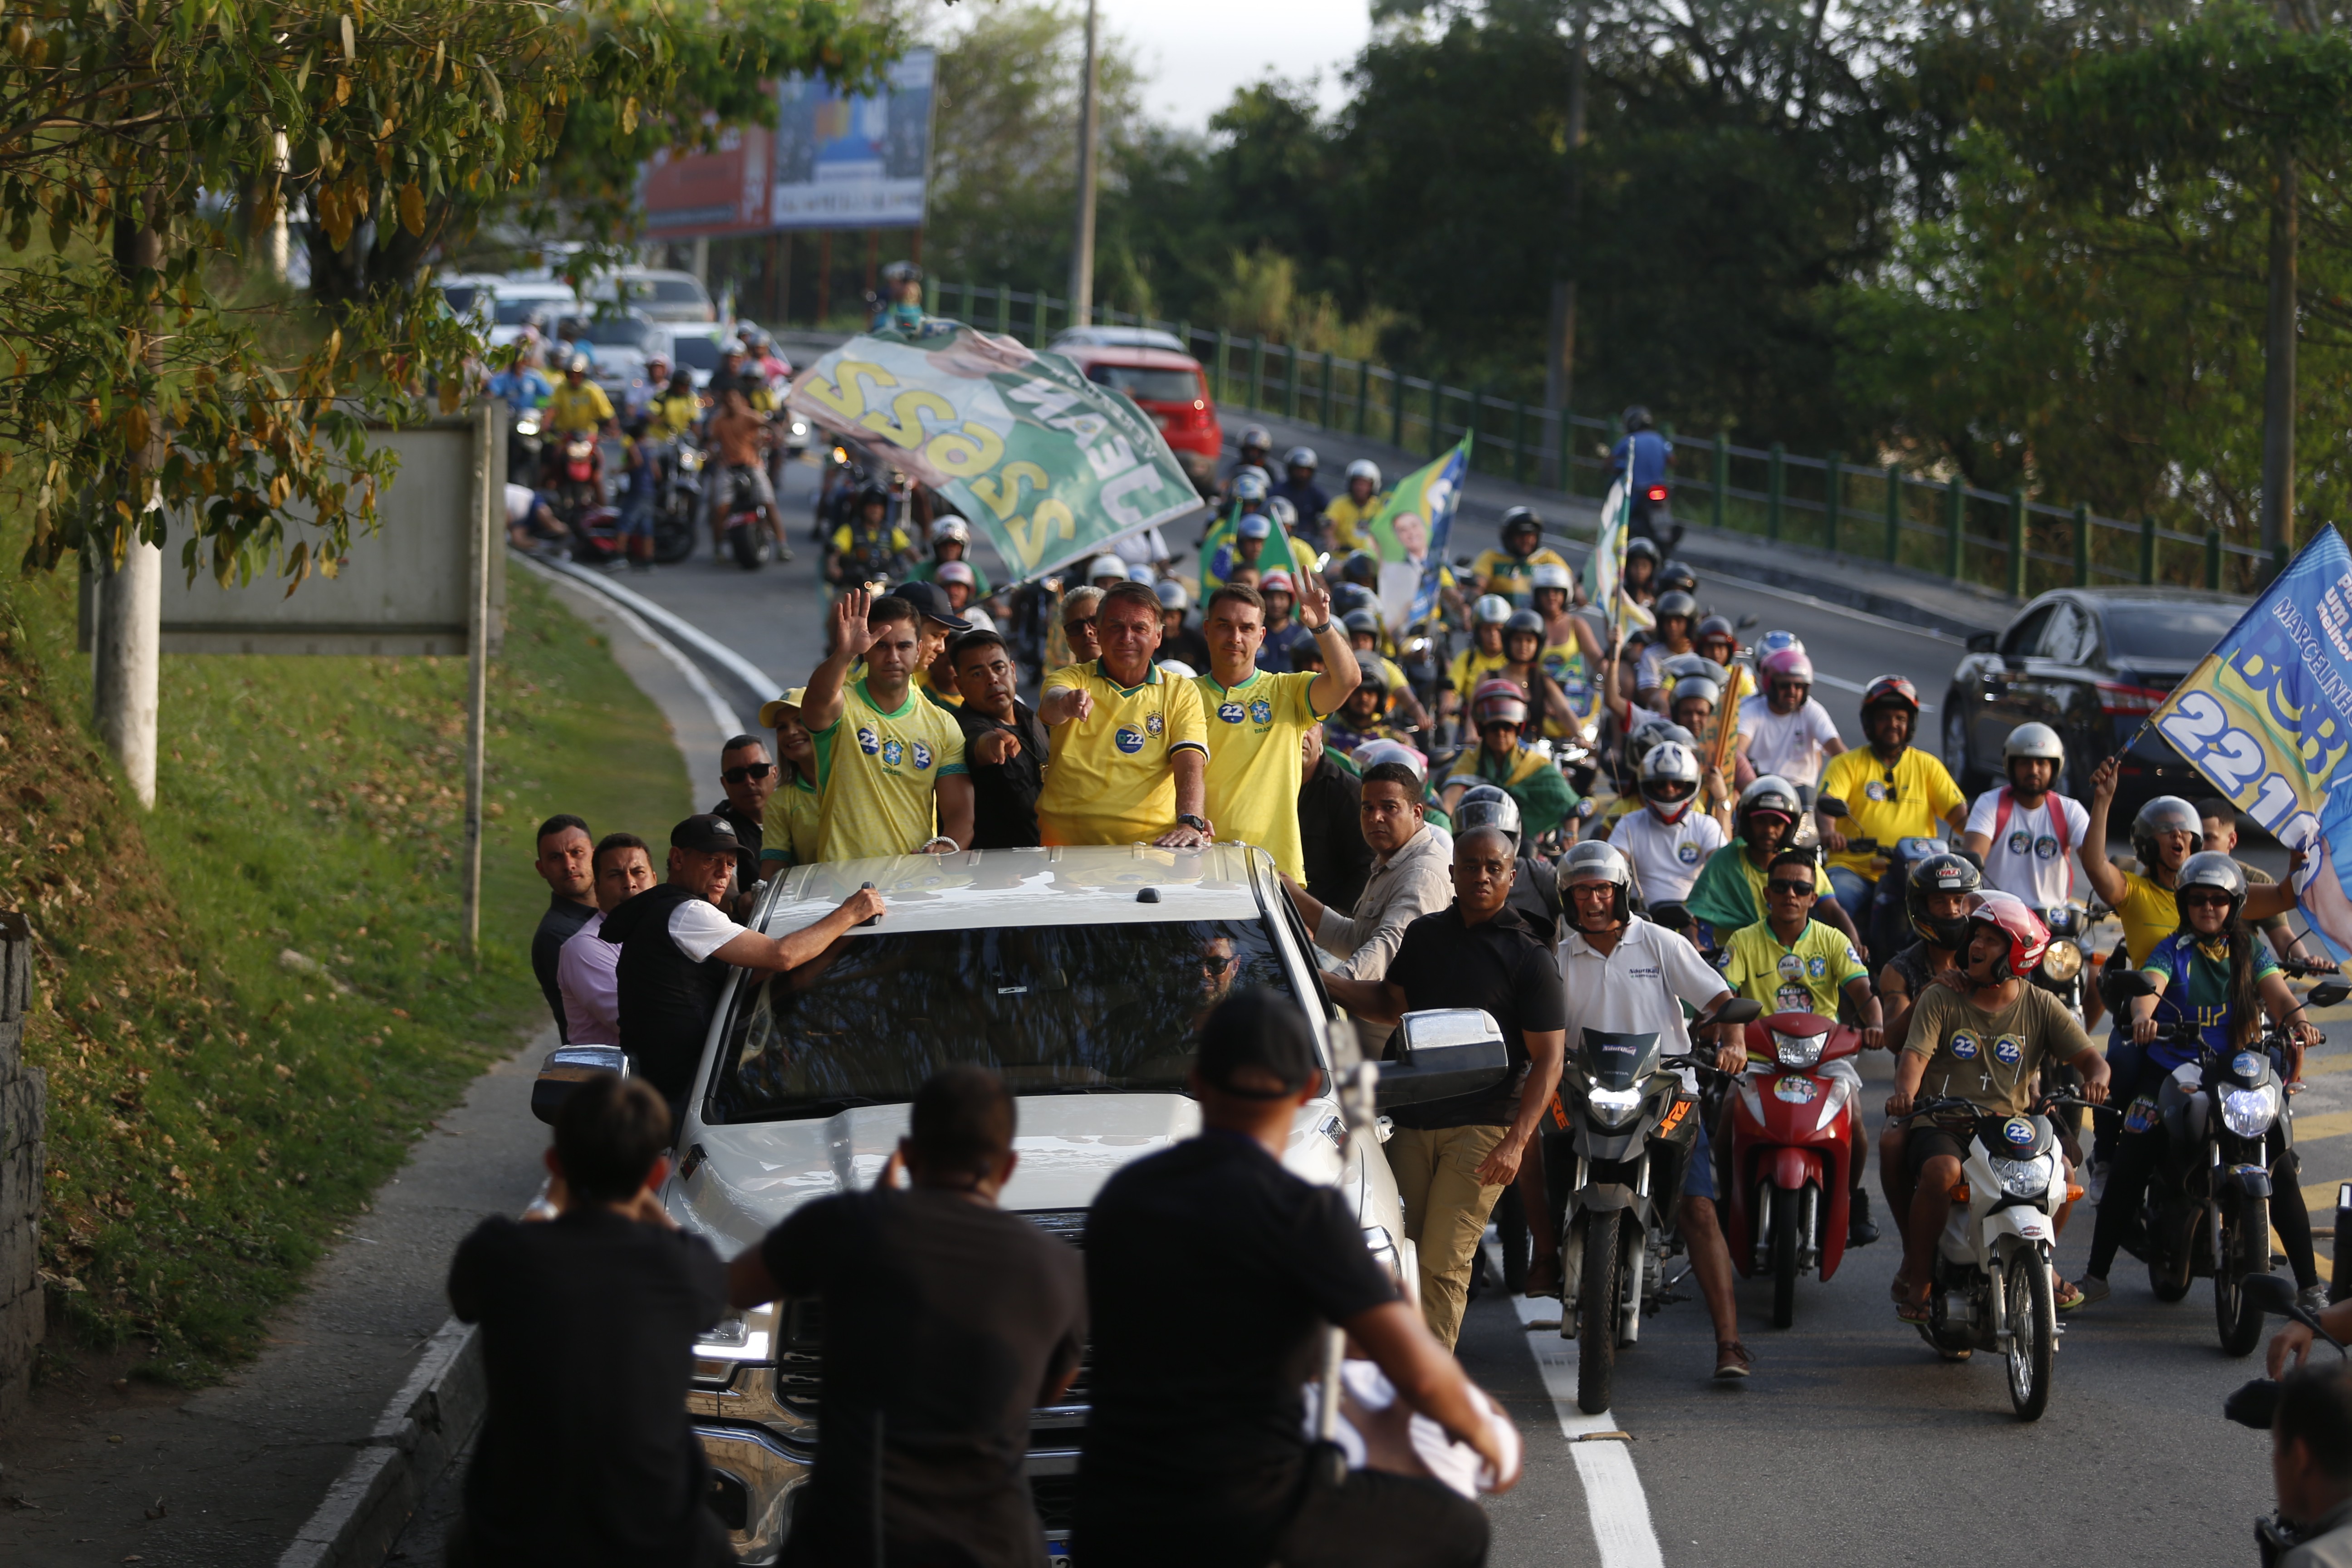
(752, 1177)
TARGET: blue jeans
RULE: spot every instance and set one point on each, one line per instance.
(1852, 889)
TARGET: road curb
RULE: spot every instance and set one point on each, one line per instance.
(418, 1436)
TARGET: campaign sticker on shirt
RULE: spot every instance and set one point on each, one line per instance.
(1262, 712)
(1230, 713)
(1687, 852)
(893, 753)
(1152, 725)
(1129, 740)
(2020, 842)
(2008, 1051)
(868, 741)
(1791, 966)
(2247, 1065)
(1793, 999)
(1964, 1046)
(2045, 847)
(922, 755)
(1875, 789)
(1796, 1091)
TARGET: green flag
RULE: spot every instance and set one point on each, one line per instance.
(1050, 466)
(1220, 553)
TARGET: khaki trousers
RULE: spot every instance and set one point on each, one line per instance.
(1446, 1212)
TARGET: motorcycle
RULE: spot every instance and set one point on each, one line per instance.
(2060, 972)
(2208, 1204)
(1994, 1286)
(744, 526)
(523, 455)
(577, 498)
(1624, 1128)
(677, 503)
(1787, 1175)
(1653, 517)
(1882, 923)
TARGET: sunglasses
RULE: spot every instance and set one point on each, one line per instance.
(1784, 889)
(2204, 900)
(749, 772)
(1209, 963)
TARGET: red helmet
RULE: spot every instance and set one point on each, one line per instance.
(1890, 688)
(2028, 937)
(1497, 700)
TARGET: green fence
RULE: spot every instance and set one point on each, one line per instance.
(1859, 509)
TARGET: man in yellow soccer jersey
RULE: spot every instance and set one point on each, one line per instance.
(891, 774)
(1254, 718)
(1130, 744)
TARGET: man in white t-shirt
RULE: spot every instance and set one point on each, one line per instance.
(2026, 834)
(1624, 974)
(1782, 729)
(1668, 840)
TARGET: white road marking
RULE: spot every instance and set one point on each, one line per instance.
(728, 721)
(1613, 1499)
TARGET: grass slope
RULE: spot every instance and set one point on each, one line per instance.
(250, 1001)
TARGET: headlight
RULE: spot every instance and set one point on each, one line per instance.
(689, 462)
(2248, 1112)
(800, 428)
(1799, 1051)
(2063, 962)
(2021, 1178)
(747, 1335)
(526, 426)
(1615, 1107)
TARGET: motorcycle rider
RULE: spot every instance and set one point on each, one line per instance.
(1666, 842)
(1351, 516)
(1937, 899)
(577, 407)
(1792, 963)
(868, 546)
(1675, 613)
(1729, 891)
(1255, 447)
(1714, 637)
(1510, 570)
(951, 541)
(1641, 457)
(1243, 549)
(1623, 973)
(1483, 657)
(1639, 583)
(2219, 820)
(1523, 641)
(1890, 790)
(1364, 632)
(1362, 719)
(1499, 709)
(1980, 1033)
(1783, 729)
(740, 437)
(2025, 830)
(899, 303)
(1299, 489)
(2212, 970)
(1176, 641)
(1691, 703)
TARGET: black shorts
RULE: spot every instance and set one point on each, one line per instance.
(1925, 1141)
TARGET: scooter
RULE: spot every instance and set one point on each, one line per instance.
(1994, 1287)
(744, 526)
(1790, 1155)
(1623, 1127)
(578, 502)
(677, 504)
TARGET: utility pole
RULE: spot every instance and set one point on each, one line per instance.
(2278, 370)
(1559, 366)
(1082, 245)
(126, 655)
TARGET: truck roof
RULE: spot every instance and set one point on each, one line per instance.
(1122, 884)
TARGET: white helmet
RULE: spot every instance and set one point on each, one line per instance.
(1364, 469)
(1299, 458)
(953, 528)
(1140, 572)
(1491, 610)
(2034, 740)
(1670, 779)
(1550, 576)
(1105, 566)
(1372, 754)
(1596, 860)
(1283, 510)
(1691, 685)
(1171, 595)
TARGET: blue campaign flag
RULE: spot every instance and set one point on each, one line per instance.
(1443, 496)
(2267, 717)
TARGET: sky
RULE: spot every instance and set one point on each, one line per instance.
(1195, 53)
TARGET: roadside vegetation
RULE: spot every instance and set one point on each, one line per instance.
(251, 1001)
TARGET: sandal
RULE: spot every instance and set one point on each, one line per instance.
(2065, 1296)
(1911, 1303)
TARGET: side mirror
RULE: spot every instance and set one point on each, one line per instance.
(1449, 1053)
(1739, 1010)
(2271, 1294)
(2328, 993)
(566, 1069)
(2119, 985)
(2254, 1405)
(1982, 642)
(1831, 806)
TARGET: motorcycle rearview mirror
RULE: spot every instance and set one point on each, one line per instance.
(1443, 1053)
(2131, 983)
(2271, 1294)
(2328, 993)
(1739, 1010)
(1831, 806)
(2252, 1405)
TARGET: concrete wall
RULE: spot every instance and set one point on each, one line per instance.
(24, 1100)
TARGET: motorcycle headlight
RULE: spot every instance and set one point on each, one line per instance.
(689, 462)
(2248, 1112)
(2021, 1178)
(1615, 1107)
(526, 426)
(1799, 1051)
(2063, 962)
(800, 428)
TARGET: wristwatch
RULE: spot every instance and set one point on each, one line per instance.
(1199, 824)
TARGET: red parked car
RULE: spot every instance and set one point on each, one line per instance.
(1152, 368)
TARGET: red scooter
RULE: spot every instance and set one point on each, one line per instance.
(1790, 1153)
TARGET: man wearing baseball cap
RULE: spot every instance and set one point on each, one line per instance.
(676, 943)
(937, 624)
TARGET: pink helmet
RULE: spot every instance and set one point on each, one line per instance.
(1787, 664)
(1498, 699)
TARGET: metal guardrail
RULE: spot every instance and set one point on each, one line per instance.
(1865, 511)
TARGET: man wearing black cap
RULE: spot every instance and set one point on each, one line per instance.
(936, 626)
(676, 943)
(1195, 1448)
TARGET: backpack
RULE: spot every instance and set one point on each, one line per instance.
(2057, 817)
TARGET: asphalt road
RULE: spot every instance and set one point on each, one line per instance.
(1853, 1442)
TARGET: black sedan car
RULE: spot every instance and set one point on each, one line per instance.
(2093, 664)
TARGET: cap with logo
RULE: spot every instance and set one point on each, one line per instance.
(706, 835)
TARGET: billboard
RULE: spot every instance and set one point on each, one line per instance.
(831, 162)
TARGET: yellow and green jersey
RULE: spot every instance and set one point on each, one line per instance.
(790, 823)
(1803, 976)
(1254, 763)
(1111, 780)
(877, 774)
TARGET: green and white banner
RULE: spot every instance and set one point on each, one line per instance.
(1051, 465)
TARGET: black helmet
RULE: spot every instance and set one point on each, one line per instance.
(1365, 621)
(1521, 517)
(1362, 567)
(1257, 438)
(870, 491)
(1349, 597)
(1940, 874)
(1675, 574)
(1636, 418)
(1645, 550)
(1676, 603)
(1524, 621)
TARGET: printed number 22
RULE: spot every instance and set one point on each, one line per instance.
(2201, 727)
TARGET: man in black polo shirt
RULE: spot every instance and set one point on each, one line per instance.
(1453, 1159)
(946, 1320)
(1003, 745)
(566, 862)
(1331, 847)
(676, 943)
(1211, 1270)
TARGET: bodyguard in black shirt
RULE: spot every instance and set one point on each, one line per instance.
(1003, 745)
(1210, 1270)
(1331, 847)
(588, 1329)
(566, 854)
(946, 1320)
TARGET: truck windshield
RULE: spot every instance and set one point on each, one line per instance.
(1071, 1009)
